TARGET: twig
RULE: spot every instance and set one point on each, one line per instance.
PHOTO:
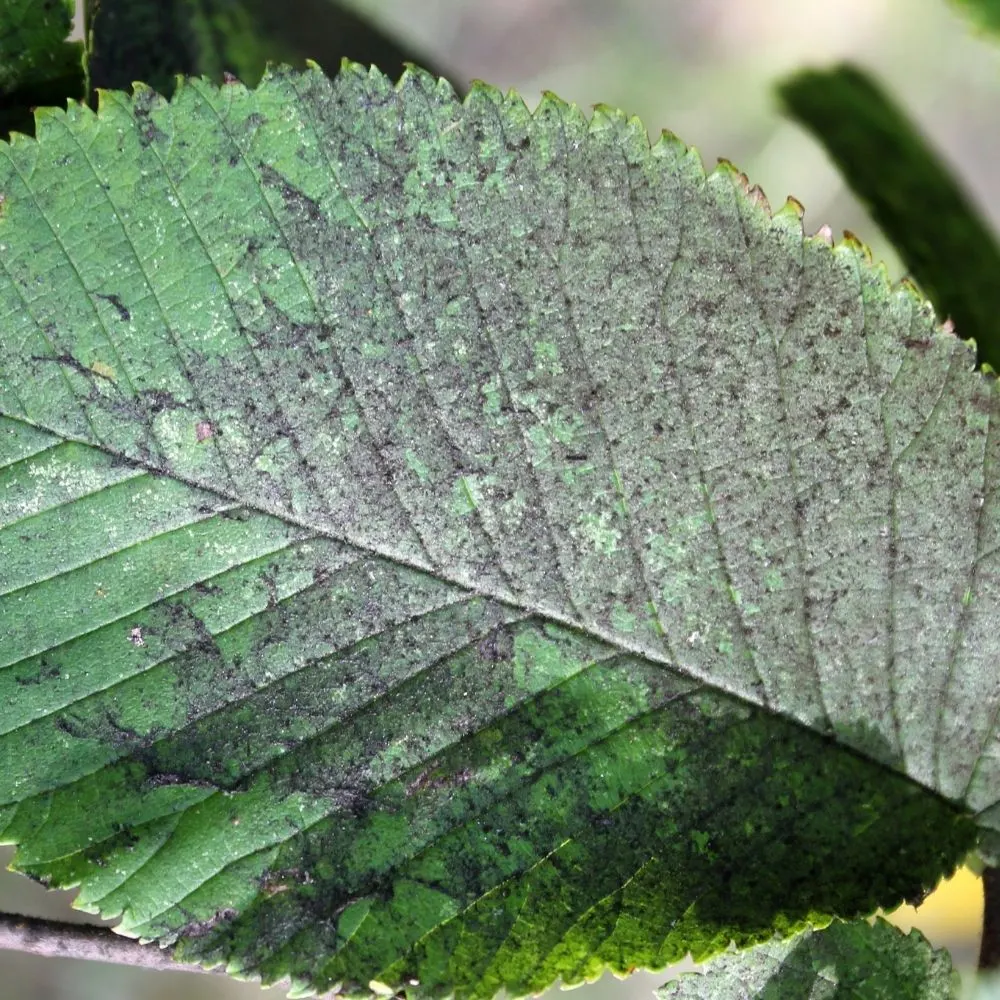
(57, 938)
(989, 950)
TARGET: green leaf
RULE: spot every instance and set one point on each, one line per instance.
(450, 548)
(940, 235)
(37, 65)
(157, 39)
(860, 960)
(984, 13)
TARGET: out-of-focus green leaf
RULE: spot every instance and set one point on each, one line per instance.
(446, 548)
(937, 231)
(983, 13)
(154, 40)
(985, 986)
(858, 960)
(38, 66)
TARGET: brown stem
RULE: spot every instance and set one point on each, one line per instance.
(989, 950)
(64, 940)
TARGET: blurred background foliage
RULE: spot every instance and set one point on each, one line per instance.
(706, 71)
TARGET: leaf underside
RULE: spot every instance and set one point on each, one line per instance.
(446, 547)
(858, 960)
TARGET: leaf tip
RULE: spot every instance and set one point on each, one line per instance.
(671, 146)
(45, 116)
(609, 113)
(756, 195)
(752, 192)
(622, 127)
(856, 244)
(348, 67)
(479, 90)
(725, 166)
(553, 105)
(417, 77)
(824, 235)
(669, 140)
(792, 207)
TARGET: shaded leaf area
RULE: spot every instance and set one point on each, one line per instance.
(155, 40)
(309, 760)
(941, 236)
(38, 66)
(984, 13)
(858, 960)
(451, 544)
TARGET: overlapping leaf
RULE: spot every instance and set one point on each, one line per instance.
(860, 960)
(984, 13)
(450, 548)
(38, 66)
(154, 40)
(938, 232)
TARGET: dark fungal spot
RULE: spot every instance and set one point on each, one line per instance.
(123, 314)
(66, 360)
(158, 400)
(498, 646)
(296, 201)
(68, 726)
(125, 837)
(198, 928)
(143, 103)
(161, 780)
(45, 671)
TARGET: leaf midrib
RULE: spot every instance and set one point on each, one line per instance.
(472, 588)
(592, 630)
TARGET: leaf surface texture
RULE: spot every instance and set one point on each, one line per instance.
(448, 547)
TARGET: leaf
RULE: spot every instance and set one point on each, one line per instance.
(860, 960)
(936, 229)
(984, 13)
(455, 546)
(37, 65)
(157, 39)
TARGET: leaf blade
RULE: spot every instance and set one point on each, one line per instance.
(360, 688)
(869, 960)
